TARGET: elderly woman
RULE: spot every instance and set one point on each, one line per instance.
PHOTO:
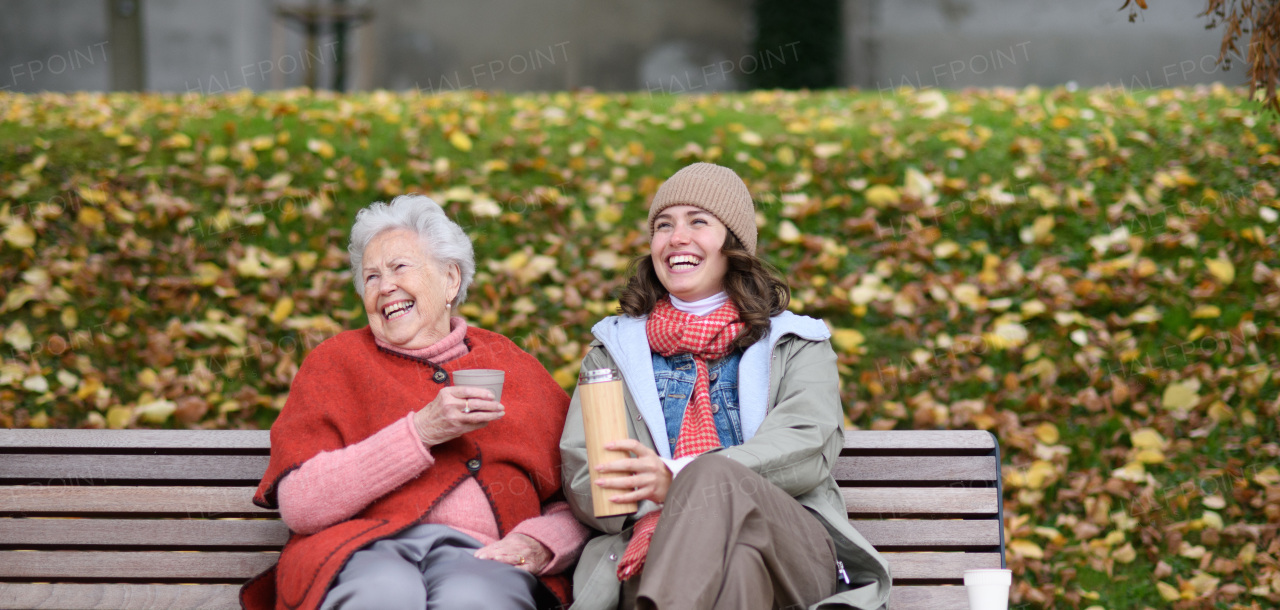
(402, 489)
(736, 421)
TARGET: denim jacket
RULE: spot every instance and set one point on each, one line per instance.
(675, 376)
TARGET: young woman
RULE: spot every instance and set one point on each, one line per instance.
(735, 421)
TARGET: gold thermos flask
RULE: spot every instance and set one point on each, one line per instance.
(604, 415)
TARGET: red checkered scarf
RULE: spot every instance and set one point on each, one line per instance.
(671, 331)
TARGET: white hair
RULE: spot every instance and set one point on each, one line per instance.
(442, 239)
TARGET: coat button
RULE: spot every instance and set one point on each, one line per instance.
(473, 465)
(613, 556)
(715, 408)
(440, 376)
(638, 417)
(714, 375)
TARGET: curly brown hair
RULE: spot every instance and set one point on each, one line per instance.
(755, 287)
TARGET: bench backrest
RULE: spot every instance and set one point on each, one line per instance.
(930, 502)
(111, 518)
(108, 519)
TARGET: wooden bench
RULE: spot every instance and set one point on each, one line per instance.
(113, 519)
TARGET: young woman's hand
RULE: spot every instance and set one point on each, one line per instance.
(648, 477)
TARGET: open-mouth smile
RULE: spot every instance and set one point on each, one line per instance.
(397, 309)
(683, 262)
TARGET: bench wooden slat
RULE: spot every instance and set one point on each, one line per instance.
(937, 534)
(187, 566)
(80, 469)
(120, 597)
(134, 440)
(187, 533)
(176, 501)
(960, 441)
(189, 474)
(938, 567)
(929, 598)
(903, 502)
(881, 470)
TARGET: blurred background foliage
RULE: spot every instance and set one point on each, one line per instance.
(1093, 276)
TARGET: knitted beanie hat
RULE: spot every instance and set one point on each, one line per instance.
(716, 189)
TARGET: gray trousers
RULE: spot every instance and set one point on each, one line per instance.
(730, 539)
(428, 566)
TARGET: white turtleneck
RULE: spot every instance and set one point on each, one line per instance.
(701, 307)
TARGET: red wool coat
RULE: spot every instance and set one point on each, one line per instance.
(346, 390)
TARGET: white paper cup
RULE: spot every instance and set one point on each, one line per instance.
(489, 379)
(988, 589)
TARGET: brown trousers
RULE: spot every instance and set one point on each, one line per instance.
(729, 539)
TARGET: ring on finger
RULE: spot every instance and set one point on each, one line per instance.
(522, 561)
(467, 409)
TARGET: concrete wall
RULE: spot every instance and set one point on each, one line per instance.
(654, 45)
(54, 45)
(982, 43)
(516, 45)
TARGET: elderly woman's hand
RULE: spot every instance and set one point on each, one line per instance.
(649, 477)
(456, 410)
(518, 550)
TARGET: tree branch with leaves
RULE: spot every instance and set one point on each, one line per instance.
(1259, 20)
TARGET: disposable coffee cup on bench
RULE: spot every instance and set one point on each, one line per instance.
(988, 589)
(604, 417)
(489, 379)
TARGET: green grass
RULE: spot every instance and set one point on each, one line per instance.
(143, 215)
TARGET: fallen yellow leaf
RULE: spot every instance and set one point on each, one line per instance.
(1207, 311)
(1047, 433)
(1150, 456)
(156, 412)
(206, 274)
(1040, 474)
(18, 336)
(847, 340)
(118, 417)
(1168, 592)
(1147, 438)
(1181, 395)
(882, 196)
(1220, 412)
(826, 150)
(321, 147)
(177, 140)
(94, 196)
(282, 309)
(788, 233)
(20, 234)
(36, 383)
(1204, 584)
(1026, 548)
(19, 297)
(1222, 269)
(460, 141)
(92, 218)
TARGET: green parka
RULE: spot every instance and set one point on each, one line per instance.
(794, 447)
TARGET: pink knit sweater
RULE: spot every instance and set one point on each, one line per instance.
(335, 485)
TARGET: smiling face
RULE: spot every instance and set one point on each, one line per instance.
(405, 290)
(686, 252)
